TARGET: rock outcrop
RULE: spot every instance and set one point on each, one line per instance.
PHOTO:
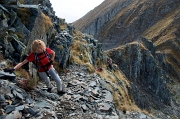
(148, 72)
(21, 23)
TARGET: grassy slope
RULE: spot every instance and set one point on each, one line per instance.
(164, 35)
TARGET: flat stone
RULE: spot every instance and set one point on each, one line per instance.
(94, 97)
(108, 96)
(81, 74)
(14, 115)
(95, 93)
(73, 83)
(104, 107)
(43, 104)
(19, 96)
(84, 98)
(28, 100)
(92, 84)
(10, 108)
(111, 117)
(29, 6)
(84, 107)
(2, 99)
(4, 8)
(10, 95)
(19, 108)
(77, 97)
(143, 116)
(4, 90)
(67, 97)
(8, 75)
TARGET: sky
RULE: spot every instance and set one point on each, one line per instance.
(72, 10)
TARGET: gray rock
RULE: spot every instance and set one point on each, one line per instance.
(3, 24)
(19, 108)
(10, 108)
(104, 107)
(108, 96)
(84, 107)
(14, 115)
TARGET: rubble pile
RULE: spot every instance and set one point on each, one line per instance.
(87, 97)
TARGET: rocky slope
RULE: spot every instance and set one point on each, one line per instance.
(87, 97)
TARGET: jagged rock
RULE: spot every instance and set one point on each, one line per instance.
(141, 66)
(61, 45)
(3, 24)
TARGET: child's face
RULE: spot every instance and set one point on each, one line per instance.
(40, 49)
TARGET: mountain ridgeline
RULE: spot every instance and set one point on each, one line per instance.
(117, 22)
(143, 39)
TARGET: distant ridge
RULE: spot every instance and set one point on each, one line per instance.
(116, 22)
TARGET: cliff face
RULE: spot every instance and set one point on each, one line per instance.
(147, 71)
(154, 75)
(115, 22)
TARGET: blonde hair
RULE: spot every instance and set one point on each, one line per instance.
(37, 44)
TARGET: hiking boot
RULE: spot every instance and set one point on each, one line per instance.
(49, 90)
(61, 93)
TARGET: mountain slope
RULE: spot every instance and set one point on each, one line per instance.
(101, 9)
(124, 21)
(143, 39)
(165, 35)
(148, 78)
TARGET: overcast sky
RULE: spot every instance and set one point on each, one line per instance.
(72, 10)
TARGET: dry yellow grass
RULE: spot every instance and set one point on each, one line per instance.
(63, 26)
(162, 27)
(21, 1)
(78, 35)
(47, 21)
(32, 83)
(106, 74)
(90, 67)
(78, 52)
(22, 73)
(121, 97)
